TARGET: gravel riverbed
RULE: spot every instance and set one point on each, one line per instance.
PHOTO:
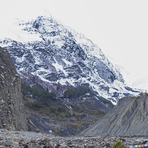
(25, 139)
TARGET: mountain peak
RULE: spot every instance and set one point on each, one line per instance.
(58, 55)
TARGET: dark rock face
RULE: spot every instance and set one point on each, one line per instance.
(12, 112)
(129, 117)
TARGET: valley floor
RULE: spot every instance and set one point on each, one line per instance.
(25, 139)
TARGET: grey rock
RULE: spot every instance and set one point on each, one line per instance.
(129, 117)
(13, 117)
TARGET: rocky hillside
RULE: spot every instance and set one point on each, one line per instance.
(63, 116)
(129, 117)
(12, 112)
(58, 57)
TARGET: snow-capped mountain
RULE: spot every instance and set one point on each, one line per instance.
(55, 55)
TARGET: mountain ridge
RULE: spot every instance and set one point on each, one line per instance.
(58, 55)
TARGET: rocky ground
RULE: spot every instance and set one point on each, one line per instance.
(25, 139)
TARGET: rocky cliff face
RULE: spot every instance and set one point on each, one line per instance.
(12, 112)
(129, 117)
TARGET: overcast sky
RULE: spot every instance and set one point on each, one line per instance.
(118, 27)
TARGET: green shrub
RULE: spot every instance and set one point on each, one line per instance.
(119, 145)
(105, 101)
(21, 140)
(136, 97)
(43, 96)
(98, 113)
(33, 104)
(75, 107)
(79, 114)
(78, 124)
(88, 122)
(49, 114)
(61, 109)
(53, 109)
(65, 114)
(140, 95)
(59, 134)
(42, 111)
(80, 90)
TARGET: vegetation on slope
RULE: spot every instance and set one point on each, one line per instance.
(41, 95)
(76, 92)
(105, 101)
(78, 109)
